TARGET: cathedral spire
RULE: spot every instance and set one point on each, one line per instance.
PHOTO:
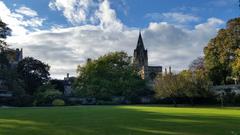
(140, 53)
(140, 41)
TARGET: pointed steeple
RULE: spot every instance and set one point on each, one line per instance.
(140, 43)
(140, 53)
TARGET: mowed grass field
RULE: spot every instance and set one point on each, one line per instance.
(119, 120)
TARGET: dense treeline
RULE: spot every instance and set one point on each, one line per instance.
(186, 87)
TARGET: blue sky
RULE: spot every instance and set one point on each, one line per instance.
(64, 33)
(133, 13)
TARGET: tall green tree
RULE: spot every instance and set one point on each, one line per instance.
(169, 86)
(220, 53)
(195, 84)
(4, 32)
(34, 73)
(198, 76)
(109, 75)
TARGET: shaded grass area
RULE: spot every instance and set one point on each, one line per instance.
(119, 120)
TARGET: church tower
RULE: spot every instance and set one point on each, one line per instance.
(140, 54)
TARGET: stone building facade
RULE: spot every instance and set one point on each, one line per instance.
(14, 56)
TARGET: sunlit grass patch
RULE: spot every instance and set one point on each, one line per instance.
(119, 120)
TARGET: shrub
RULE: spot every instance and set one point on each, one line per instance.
(46, 94)
(58, 102)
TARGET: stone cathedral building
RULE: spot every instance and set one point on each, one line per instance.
(140, 61)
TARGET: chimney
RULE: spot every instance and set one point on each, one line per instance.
(89, 60)
(170, 70)
(21, 54)
(67, 75)
(165, 71)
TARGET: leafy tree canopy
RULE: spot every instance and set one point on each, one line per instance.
(187, 84)
(33, 72)
(4, 32)
(109, 75)
(220, 53)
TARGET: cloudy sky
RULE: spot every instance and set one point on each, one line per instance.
(64, 33)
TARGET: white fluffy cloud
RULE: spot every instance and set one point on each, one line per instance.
(76, 11)
(22, 21)
(26, 11)
(107, 17)
(88, 12)
(65, 48)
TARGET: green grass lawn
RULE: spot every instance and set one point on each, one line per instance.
(119, 120)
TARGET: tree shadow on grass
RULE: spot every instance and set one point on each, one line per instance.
(184, 123)
(118, 120)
